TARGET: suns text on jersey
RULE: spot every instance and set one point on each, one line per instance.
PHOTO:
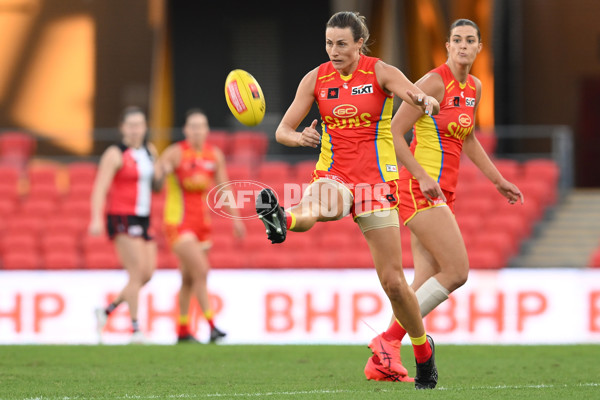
(459, 132)
(343, 123)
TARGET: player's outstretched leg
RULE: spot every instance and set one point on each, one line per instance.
(427, 375)
(272, 215)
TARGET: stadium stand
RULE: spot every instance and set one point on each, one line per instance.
(45, 211)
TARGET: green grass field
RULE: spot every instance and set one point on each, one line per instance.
(290, 372)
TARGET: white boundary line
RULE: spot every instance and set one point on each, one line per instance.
(303, 392)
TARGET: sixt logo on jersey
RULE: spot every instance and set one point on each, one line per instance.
(362, 89)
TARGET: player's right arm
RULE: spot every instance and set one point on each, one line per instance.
(406, 116)
(110, 162)
(286, 133)
(168, 161)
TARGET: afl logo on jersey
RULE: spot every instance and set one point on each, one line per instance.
(345, 111)
(464, 120)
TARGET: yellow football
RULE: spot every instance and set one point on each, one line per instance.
(245, 97)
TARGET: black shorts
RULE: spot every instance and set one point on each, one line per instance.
(131, 225)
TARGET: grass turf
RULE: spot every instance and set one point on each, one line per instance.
(290, 372)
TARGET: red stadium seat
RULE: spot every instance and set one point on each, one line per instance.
(16, 260)
(351, 259)
(249, 146)
(274, 172)
(76, 207)
(227, 260)
(485, 259)
(44, 173)
(303, 171)
(8, 191)
(239, 171)
(7, 206)
(544, 170)
(220, 139)
(38, 208)
(503, 243)
(19, 224)
(16, 148)
(81, 172)
(25, 242)
(271, 260)
(44, 191)
(9, 175)
(59, 242)
(101, 260)
(167, 260)
(510, 169)
(100, 244)
(61, 259)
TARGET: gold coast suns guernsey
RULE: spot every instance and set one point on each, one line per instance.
(357, 143)
(188, 185)
(437, 140)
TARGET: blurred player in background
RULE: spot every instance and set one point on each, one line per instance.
(357, 169)
(440, 257)
(193, 167)
(123, 189)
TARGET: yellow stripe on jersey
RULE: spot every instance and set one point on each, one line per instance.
(384, 144)
(366, 72)
(325, 76)
(428, 151)
(326, 156)
(449, 86)
(173, 201)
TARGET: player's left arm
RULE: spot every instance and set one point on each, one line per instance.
(392, 80)
(477, 154)
(221, 177)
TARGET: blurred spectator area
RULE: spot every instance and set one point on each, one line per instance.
(44, 211)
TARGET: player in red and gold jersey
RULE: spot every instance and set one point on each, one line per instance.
(193, 167)
(440, 257)
(357, 171)
(122, 189)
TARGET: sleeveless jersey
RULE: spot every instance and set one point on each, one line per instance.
(130, 192)
(438, 140)
(188, 185)
(356, 113)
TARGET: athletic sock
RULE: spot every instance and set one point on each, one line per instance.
(421, 348)
(290, 220)
(134, 325)
(183, 326)
(209, 318)
(394, 332)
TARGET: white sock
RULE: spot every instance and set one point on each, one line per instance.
(430, 295)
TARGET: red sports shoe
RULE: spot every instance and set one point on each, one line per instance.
(377, 372)
(388, 352)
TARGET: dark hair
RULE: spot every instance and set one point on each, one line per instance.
(464, 22)
(356, 23)
(129, 111)
(193, 111)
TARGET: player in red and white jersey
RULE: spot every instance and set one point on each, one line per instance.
(357, 170)
(440, 256)
(122, 191)
(193, 167)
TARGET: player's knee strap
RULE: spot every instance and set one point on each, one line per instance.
(378, 220)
